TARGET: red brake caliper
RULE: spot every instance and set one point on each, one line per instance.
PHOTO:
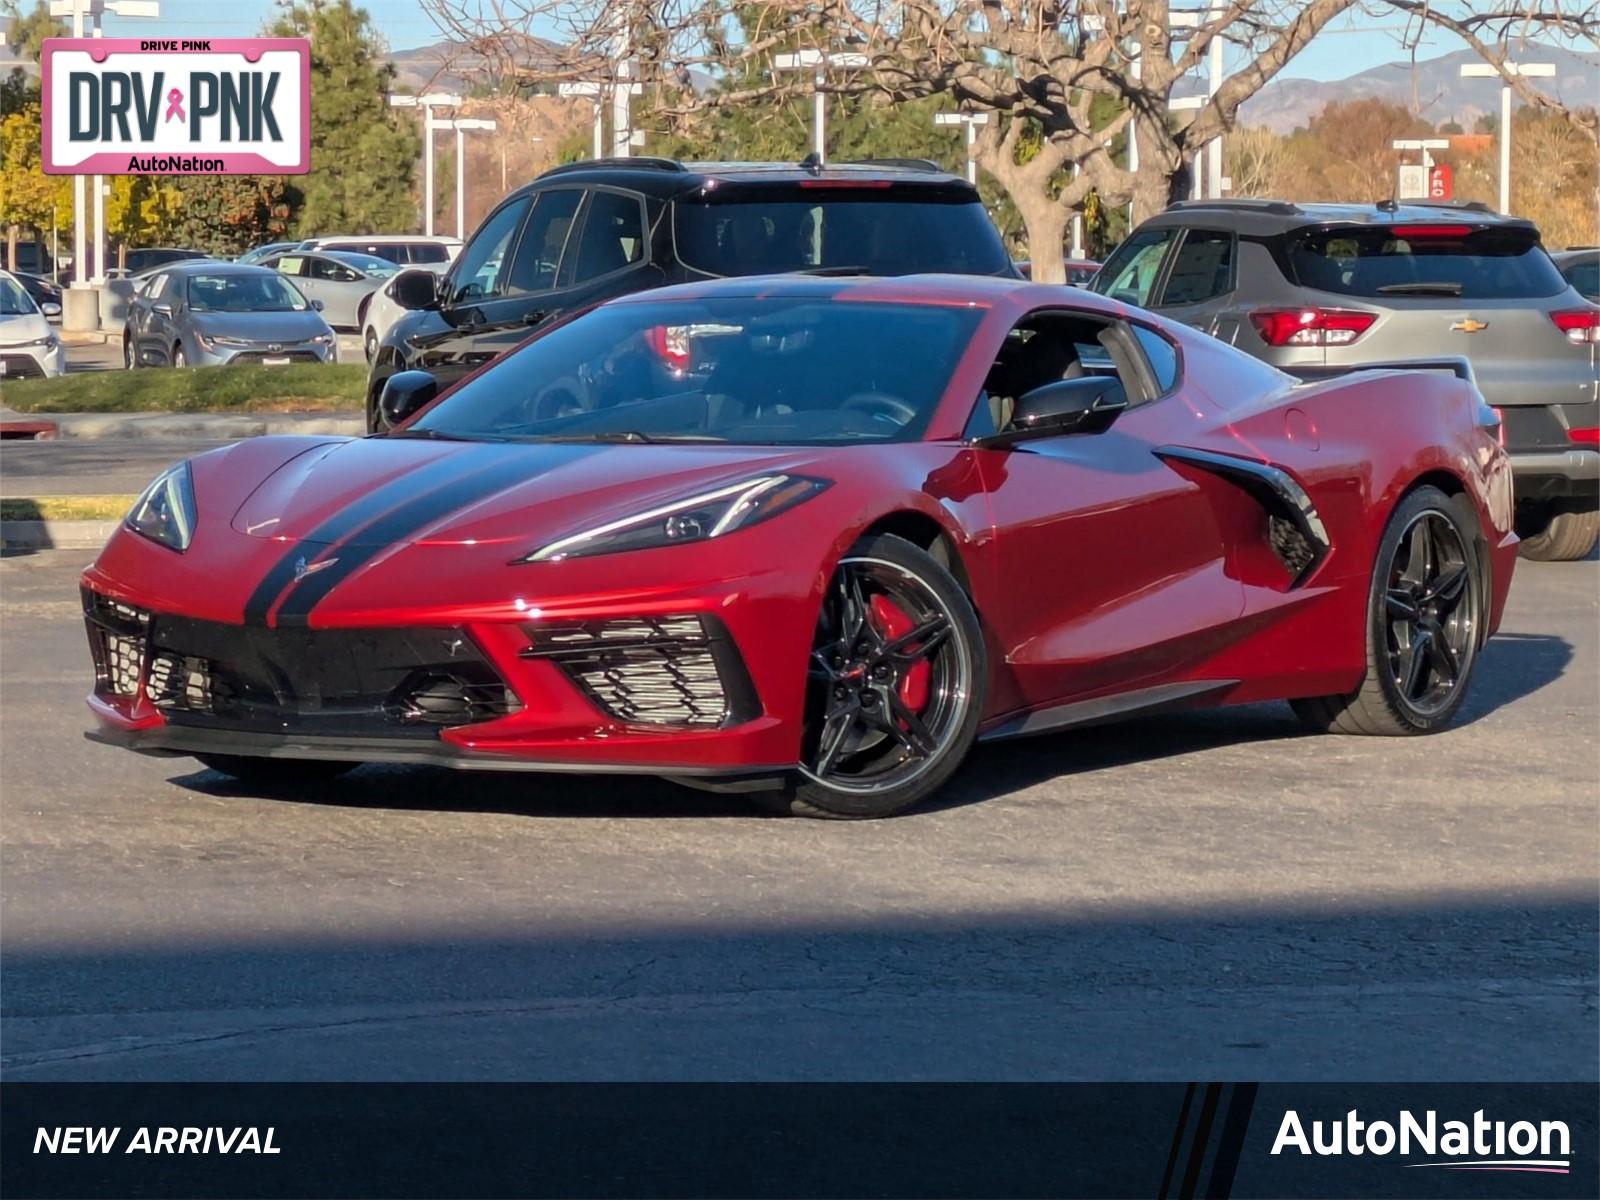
(892, 622)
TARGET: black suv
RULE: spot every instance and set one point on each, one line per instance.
(1318, 288)
(588, 231)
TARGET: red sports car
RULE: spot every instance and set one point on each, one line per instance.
(810, 538)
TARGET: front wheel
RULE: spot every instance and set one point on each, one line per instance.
(370, 343)
(130, 357)
(1425, 614)
(179, 358)
(1568, 536)
(895, 688)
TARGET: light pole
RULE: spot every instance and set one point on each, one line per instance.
(95, 10)
(461, 125)
(427, 103)
(818, 61)
(1526, 71)
(969, 123)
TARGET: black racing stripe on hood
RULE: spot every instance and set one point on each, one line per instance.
(379, 536)
(343, 524)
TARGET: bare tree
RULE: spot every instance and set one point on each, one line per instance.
(1065, 82)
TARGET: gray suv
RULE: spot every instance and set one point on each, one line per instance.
(1311, 287)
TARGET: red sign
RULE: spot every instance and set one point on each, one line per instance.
(1440, 185)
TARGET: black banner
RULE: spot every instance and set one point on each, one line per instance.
(802, 1140)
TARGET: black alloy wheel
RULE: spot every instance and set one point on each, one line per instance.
(895, 684)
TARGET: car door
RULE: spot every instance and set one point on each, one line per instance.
(339, 287)
(1110, 567)
(138, 319)
(160, 328)
(1198, 283)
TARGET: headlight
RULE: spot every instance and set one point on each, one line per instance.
(48, 339)
(212, 340)
(697, 519)
(165, 511)
(322, 339)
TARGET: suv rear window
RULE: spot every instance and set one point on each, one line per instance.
(893, 231)
(1421, 260)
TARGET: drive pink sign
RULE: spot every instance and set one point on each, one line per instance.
(167, 106)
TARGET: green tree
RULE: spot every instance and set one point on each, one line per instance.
(29, 30)
(28, 197)
(362, 159)
(227, 214)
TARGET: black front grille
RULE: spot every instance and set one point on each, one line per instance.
(680, 670)
(21, 366)
(256, 356)
(375, 682)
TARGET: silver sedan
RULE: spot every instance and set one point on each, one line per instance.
(343, 280)
(207, 314)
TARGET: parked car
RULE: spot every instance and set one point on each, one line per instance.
(29, 348)
(137, 262)
(210, 314)
(342, 280)
(33, 258)
(587, 231)
(381, 313)
(46, 293)
(778, 538)
(1079, 270)
(1311, 287)
(1582, 269)
(266, 250)
(404, 250)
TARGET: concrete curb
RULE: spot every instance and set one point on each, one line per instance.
(222, 426)
(56, 535)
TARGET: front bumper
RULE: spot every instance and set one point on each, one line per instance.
(32, 362)
(227, 356)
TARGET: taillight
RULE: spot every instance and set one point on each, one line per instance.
(1584, 437)
(1581, 325)
(1311, 326)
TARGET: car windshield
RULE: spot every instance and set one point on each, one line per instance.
(1427, 259)
(367, 264)
(14, 302)
(775, 370)
(241, 292)
(766, 230)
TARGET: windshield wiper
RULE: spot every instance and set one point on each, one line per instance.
(437, 435)
(1420, 289)
(835, 271)
(633, 436)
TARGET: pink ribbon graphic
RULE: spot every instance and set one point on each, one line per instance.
(175, 106)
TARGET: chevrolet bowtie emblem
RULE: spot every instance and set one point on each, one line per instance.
(1468, 325)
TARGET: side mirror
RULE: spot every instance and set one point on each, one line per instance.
(404, 394)
(162, 307)
(50, 308)
(415, 289)
(317, 306)
(1088, 404)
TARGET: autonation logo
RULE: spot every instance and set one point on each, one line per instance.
(1476, 1145)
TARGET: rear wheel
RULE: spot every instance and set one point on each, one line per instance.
(275, 771)
(1424, 623)
(895, 688)
(130, 359)
(1568, 536)
(370, 343)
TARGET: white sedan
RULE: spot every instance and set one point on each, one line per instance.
(29, 348)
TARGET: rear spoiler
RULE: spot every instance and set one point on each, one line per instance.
(1486, 417)
(1457, 366)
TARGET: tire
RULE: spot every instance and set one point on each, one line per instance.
(369, 343)
(1568, 536)
(889, 716)
(1412, 690)
(275, 771)
(130, 360)
(179, 358)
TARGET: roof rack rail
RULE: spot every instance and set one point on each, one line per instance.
(1463, 205)
(910, 164)
(1281, 208)
(645, 161)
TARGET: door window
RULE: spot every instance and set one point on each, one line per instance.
(1130, 275)
(1202, 269)
(1050, 346)
(538, 256)
(612, 238)
(1160, 354)
(478, 271)
(334, 272)
(289, 264)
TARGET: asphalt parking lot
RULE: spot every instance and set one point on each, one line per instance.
(1202, 896)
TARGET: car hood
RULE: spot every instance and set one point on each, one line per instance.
(262, 326)
(394, 491)
(15, 330)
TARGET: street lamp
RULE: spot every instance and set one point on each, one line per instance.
(95, 10)
(461, 125)
(969, 123)
(819, 61)
(1424, 145)
(427, 103)
(1489, 70)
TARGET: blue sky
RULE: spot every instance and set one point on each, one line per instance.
(1351, 44)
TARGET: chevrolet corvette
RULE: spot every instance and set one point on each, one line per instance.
(810, 538)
